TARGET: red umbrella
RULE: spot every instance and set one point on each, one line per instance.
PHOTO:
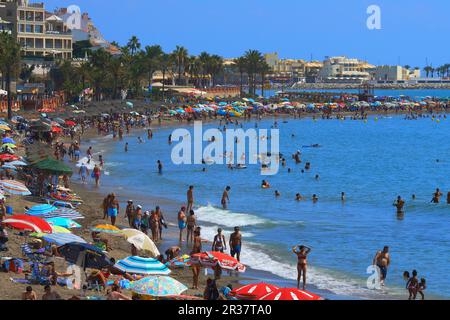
(8, 157)
(56, 129)
(212, 259)
(253, 291)
(70, 123)
(290, 294)
(29, 223)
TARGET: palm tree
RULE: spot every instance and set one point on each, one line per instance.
(134, 45)
(181, 56)
(152, 56)
(165, 64)
(264, 69)
(427, 70)
(241, 65)
(10, 60)
(254, 60)
(194, 68)
(204, 59)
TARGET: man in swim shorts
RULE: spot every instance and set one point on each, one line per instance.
(382, 260)
(236, 243)
(113, 209)
(182, 222)
(190, 199)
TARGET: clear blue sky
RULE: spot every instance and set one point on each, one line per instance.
(412, 30)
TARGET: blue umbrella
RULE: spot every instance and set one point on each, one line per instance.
(63, 238)
(84, 255)
(139, 265)
(8, 140)
(40, 210)
(63, 222)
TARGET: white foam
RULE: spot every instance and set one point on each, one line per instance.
(89, 164)
(227, 218)
(256, 257)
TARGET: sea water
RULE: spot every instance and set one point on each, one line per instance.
(372, 162)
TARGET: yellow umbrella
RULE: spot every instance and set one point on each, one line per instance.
(58, 229)
(5, 128)
(106, 228)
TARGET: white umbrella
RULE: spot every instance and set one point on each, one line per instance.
(3, 92)
(141, 241)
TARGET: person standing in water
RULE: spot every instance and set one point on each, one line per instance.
(126, 147)
(302, 264)
(182, 222)
(382, 260)
(225, 198)
(96, 171)
(190, 199)
(399, 204)
(236, 243)
(436, 196)
(219, 243)
(160, 166)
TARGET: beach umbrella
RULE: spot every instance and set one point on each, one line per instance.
(58, 229)
(18, 163)
(290, 294)
(84, 255)
(253, 291)
(63, 213)
(70, 123)
(158, 286)
(63, 222)
(9, 145)
(61, 239)
(139, 265)
(8, 166)
(56, 129)
(5, 127)
(106, 228)
(8, 157)
(141, 241)
(130, 104)
(180, 262)
(40, 210)
(14, 187)
(28, 223)
(59, 121)
(53, 166)
(8, 140)
(212, 259)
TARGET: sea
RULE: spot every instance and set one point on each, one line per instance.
(372, 161)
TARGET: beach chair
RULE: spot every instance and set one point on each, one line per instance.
(27, 252)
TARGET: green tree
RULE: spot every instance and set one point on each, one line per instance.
(152, 60)
(134, 45)
(10, 62)
(254, 60)
(180, 56)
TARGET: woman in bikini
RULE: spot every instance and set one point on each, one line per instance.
(302, 263)
(197, 248)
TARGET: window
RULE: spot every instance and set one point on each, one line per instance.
(21, 15)
(39, 17)
(39, 43)
(29, 28)
(30, 16)
(49, 43)
(39, 29)
(9, 13)
(30, 43)
(58, 44)
(21, 28)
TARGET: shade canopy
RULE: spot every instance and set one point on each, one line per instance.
(84, 255)
(158, 286)
(139, 265)
(28, 223)
(53, 166)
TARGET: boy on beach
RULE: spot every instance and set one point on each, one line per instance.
(225, 198)
(236, 243)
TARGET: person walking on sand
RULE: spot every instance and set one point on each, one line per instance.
(182, 222)
(236, 243)
(197, 248)
(190, 199)
(113, 208)
(154, 225)
(225, 198)
(129, 212)
(382, 260)
(302, 263)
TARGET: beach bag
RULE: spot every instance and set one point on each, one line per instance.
(13, 265)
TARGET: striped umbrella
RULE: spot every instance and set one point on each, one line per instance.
(18, 163)
(106, 228)
(290, 294)
(63, 222)
(63, 213)
(40, 210)
(253, 291)
(14, 187)
(28, 223)
(158, 286)
(63, 238)
(139, 265)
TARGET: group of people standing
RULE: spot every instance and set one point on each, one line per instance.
(145, 221)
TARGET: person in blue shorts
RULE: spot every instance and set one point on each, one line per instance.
(182, 222)
(236, 243)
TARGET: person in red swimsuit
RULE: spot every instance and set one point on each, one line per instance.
(302, 254)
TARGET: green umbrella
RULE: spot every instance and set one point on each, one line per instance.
(53, 166)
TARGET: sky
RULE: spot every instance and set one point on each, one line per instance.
(413, 32)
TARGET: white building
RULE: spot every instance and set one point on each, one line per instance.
(345, 70)
(394, 74)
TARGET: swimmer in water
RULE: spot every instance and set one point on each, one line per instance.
(315, 198)
(413, 197)
(399, 204)
(265, 184)
(436, 196)
(126, 147)
(317, 177)
(298, 197)
(343, 196)
(160, 166)
(277, 194)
